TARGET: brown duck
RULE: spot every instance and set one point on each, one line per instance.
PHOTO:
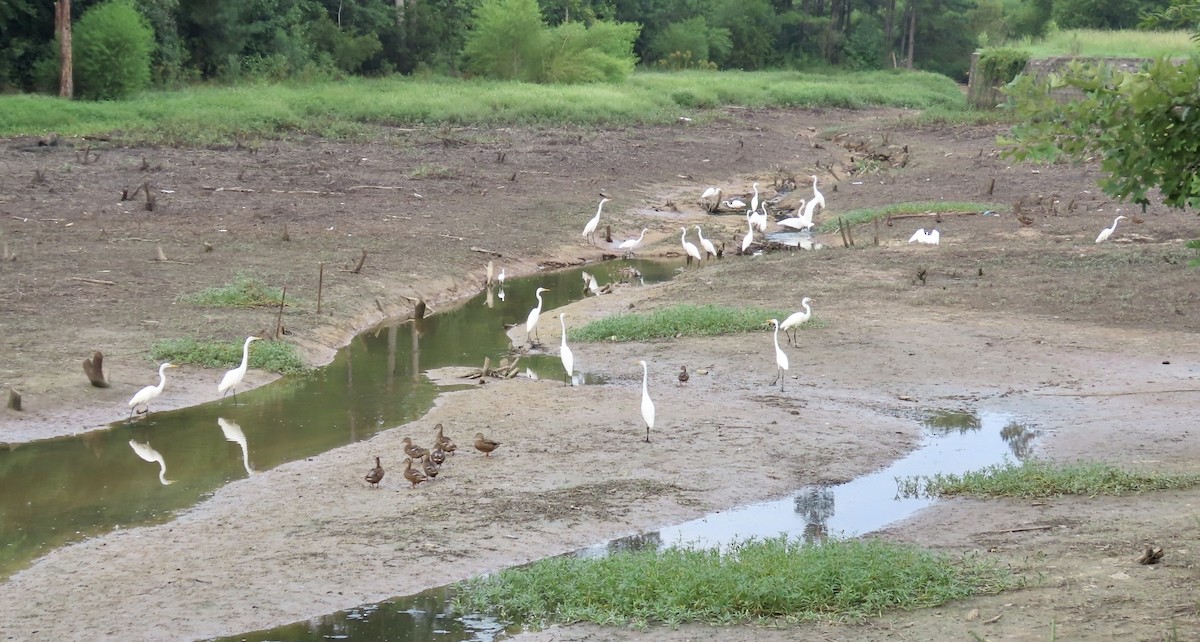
(443, 442)
(485, 445)
(375, 475)
(415, 452)
(683, 374)
(438, 456)
(414, 476)
(431, 469)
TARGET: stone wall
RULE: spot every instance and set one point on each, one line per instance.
(984, 95)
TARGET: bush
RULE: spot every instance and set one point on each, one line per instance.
(112, 47)
(506, 41)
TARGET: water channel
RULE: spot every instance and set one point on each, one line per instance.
(954, 442)
(57, 491)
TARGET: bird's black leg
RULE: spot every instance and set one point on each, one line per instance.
(647, 434)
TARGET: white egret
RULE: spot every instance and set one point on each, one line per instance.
(735, 204)
(647, 405)
(589, 284)
(234, 377)
(564, 353)
(781, 359)
(630, 245)
(801, 221)
(689, 247)
(932, 237)
(500, 278)
(1107, 232)
(153, 456)
(749, 238)
(147, 394)
(759, 218)
(754, 199)
(818, 199)
(233, 433)
(531, 322)
(797, 319)
(709, 249)
(710, 198)
(589, 230)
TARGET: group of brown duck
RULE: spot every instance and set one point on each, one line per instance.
(431, 460)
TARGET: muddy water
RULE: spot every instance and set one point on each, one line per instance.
(955, 442)
(56, 491)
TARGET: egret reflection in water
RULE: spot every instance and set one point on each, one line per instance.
(815, 505)
(233, 432)
(153, 456)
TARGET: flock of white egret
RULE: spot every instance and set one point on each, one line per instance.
(228, 384)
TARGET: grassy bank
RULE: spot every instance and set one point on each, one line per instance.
(1039, 478)
(677, 321)
(205, 115)
(1108, 44)
(273, 356)
(868, 214)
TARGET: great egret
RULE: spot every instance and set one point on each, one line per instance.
(1107, 232)
(754, 199)
(710, 198)
(564, 353)
(735, 204)
(375, 475)
(233, 432)
(818, 199)
(147, 394)
(749, 238)
(589, 230)
(797, 319)
(630, 245)
(931, 237)
(531, 322)
(759, 218)
(647, 405)
(234, 377)
(153, 456)
(689, 247)
(781, 359)
(500, 278)
(709, 249)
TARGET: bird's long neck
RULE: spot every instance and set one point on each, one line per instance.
(563, 323)
(776, 336)
(162, 377)
(807, 310)
(645, 376)
(245, 354)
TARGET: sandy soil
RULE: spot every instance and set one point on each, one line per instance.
(1096, 344)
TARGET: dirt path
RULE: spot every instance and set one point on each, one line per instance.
(1087, 342)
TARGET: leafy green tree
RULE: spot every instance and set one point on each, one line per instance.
(1103, 14)
(507, 40)
(866, 47)
(692, 35)
(224, 36)
(347, 51)
(112, 44)
(432, 35)
(753, 29)
(602, 52)
(1144, 125)
(25, 26)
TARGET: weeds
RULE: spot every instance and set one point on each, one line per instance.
(274, 356)
(432, 171)
(676, 320)
(1040, 478)
(244, 292)
(866, 215)
(1105, 43)
(777, 578)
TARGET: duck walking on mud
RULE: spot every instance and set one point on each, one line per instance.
(485, 445)
(375, 475)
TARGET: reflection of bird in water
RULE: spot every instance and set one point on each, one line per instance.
(500, 293)
(375, 475)
(151, 455)
(485, 445)
(781, 359)
(413, 476)
(431, 469)
(683, 374)
(233, 377)
(233, 432)
(147, 394)
(415, 452)
(443, 442)
(647, 405)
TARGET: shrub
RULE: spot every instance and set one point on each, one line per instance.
(507, 40)
(112, 47)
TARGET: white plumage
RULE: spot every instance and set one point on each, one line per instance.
(781, 359)
(708, 246)
(647, 405)
(147, 394)
(233, 377)
(564, 353)
(532, 319)
(690, 248)
(589, 230)
(1107, 232)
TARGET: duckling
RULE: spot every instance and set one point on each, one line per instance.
(443, 442)
(438, 456)
(683, 374)
(414, 476)
(375, 475)
(415, 452)
(485, 445)
(431, 469)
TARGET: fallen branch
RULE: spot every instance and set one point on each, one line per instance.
(95, 281)
(1026, 529)
(1116, 394)
(362, 259)
(246, 190)
(447, 235)
(375, 187)
(896, 217)
(484, 250)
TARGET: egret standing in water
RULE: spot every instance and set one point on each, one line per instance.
(589, 230)
(630, 245)
(564, 353)
(689, 248)
(531, 322)
(647, 405)
(148, 394)
(1107, 232)
(232, 378)
(781, 359)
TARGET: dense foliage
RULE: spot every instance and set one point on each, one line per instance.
(112, 43)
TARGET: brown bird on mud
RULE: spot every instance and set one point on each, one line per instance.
(375, 475)
(438, 456)
(431, 469)
(683, 374)
(414, 476)
(443, 442)
(485, 445)
(416, 452)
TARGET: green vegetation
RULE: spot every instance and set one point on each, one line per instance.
(868, 214)
(275, 356)
(999, 65)
(774, 578)
(1104, 43)
(112, 45)
(217, 115)
(677, 320)
(244, 292)
(1040, 478)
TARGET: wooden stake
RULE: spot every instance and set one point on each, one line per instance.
(14, 399)
(850, 234)
(286, 236)
(842, 229)
(94, 369)
(320, 284)
(158, 254)
(991, 187)
(362, 259)
(279, 316)
(875, 239)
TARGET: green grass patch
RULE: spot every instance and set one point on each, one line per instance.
(777, 579)
(677, 320)
(1040, 478)
(1100, 43)
(432, 171)
(244, 292)
(868, 214)
(275, 356)
(214, 115)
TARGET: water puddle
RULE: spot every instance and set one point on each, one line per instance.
(801, 239)
(56, 491)
(955, 442)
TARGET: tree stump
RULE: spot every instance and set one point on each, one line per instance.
(14, 399)
(94, 369)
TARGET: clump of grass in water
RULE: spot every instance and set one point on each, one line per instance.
(1040, 478)
(868, 214)
(244, 292)
(275, 356)
(777, 578)
(676, 320)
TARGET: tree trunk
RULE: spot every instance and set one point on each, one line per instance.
(62, 23)
(912, 30)
(889, 27)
